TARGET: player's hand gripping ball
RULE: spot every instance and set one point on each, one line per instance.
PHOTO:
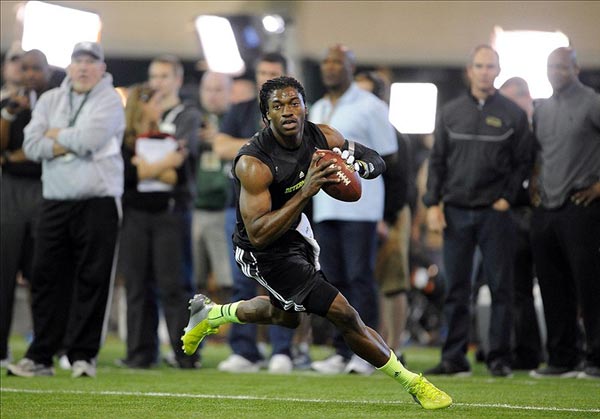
(349, 188)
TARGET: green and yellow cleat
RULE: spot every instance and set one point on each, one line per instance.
(427, 395)
(198, 326)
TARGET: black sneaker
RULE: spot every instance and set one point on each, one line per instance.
(590, 372)
(554, 372)
(445, 368)
(499, 368)
(524, 365)
(189, 363)
(136, 365)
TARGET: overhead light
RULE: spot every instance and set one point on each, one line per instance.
(55, 30)
(525, 54)
(273, 23)
(219, 45)
(413, 107)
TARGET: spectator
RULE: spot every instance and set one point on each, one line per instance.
(21, 187)
(565, 227)
(12, 73)
(212, 189)
(480, 158)
(517, 90)
(76, 131)
(347, 232)
(243, 90)
(154, 224)
(276, 174)
(527, 348)
(239, 124)
(391, 267)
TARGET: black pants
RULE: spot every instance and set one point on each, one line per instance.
(494, 233)
(21, 199)
(527, 348)
(72, 277)
(152, 262)
(565, 244)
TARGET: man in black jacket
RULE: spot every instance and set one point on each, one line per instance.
(481, 156)
(20, 186)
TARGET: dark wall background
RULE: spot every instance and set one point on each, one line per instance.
(450, 81)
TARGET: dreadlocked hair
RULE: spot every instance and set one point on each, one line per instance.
(275, 84)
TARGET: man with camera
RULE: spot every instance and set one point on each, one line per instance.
(21, 186)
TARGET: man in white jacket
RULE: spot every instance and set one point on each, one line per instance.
(76, 132)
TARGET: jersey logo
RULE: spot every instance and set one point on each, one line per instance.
(301, 175)
(493, 121)
(295, 187)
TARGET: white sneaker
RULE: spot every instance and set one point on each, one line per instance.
(357, 365)
(29, 368)
(335, 364)
(280, 364)
(83, 369)
(237, 363)
(63, 362)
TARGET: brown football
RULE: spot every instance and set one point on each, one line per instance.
(349, 189)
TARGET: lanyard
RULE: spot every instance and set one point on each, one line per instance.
(74, 117)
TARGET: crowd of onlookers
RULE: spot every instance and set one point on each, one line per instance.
(506, 193)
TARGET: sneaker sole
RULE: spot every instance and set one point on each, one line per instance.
(570, 374)
(192, 338)
(17, 372)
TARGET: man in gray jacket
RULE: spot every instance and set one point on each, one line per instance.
(565, 225)
(76, 132)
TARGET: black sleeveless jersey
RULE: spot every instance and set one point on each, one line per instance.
(289, 168)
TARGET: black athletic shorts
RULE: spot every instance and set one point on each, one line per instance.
(290, 276)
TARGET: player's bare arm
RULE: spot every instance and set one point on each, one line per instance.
(263, 225)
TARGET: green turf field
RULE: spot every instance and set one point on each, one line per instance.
(207, 393)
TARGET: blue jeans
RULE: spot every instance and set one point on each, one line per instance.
(348, 250)
(242, 337)
(495, 234)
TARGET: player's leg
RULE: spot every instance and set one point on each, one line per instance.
(206, 317)
(369, 345)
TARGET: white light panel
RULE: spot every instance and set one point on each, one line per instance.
(55, 30)
(413, 107)
(525, 54)
(219, 45)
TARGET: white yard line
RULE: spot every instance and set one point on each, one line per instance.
(288, 399)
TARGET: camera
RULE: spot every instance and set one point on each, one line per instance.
(146, 93)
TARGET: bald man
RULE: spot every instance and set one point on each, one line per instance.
(21, 186)
(362, 117)
(517, 90)
(565, 227)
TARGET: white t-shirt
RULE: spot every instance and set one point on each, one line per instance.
(362, 117)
